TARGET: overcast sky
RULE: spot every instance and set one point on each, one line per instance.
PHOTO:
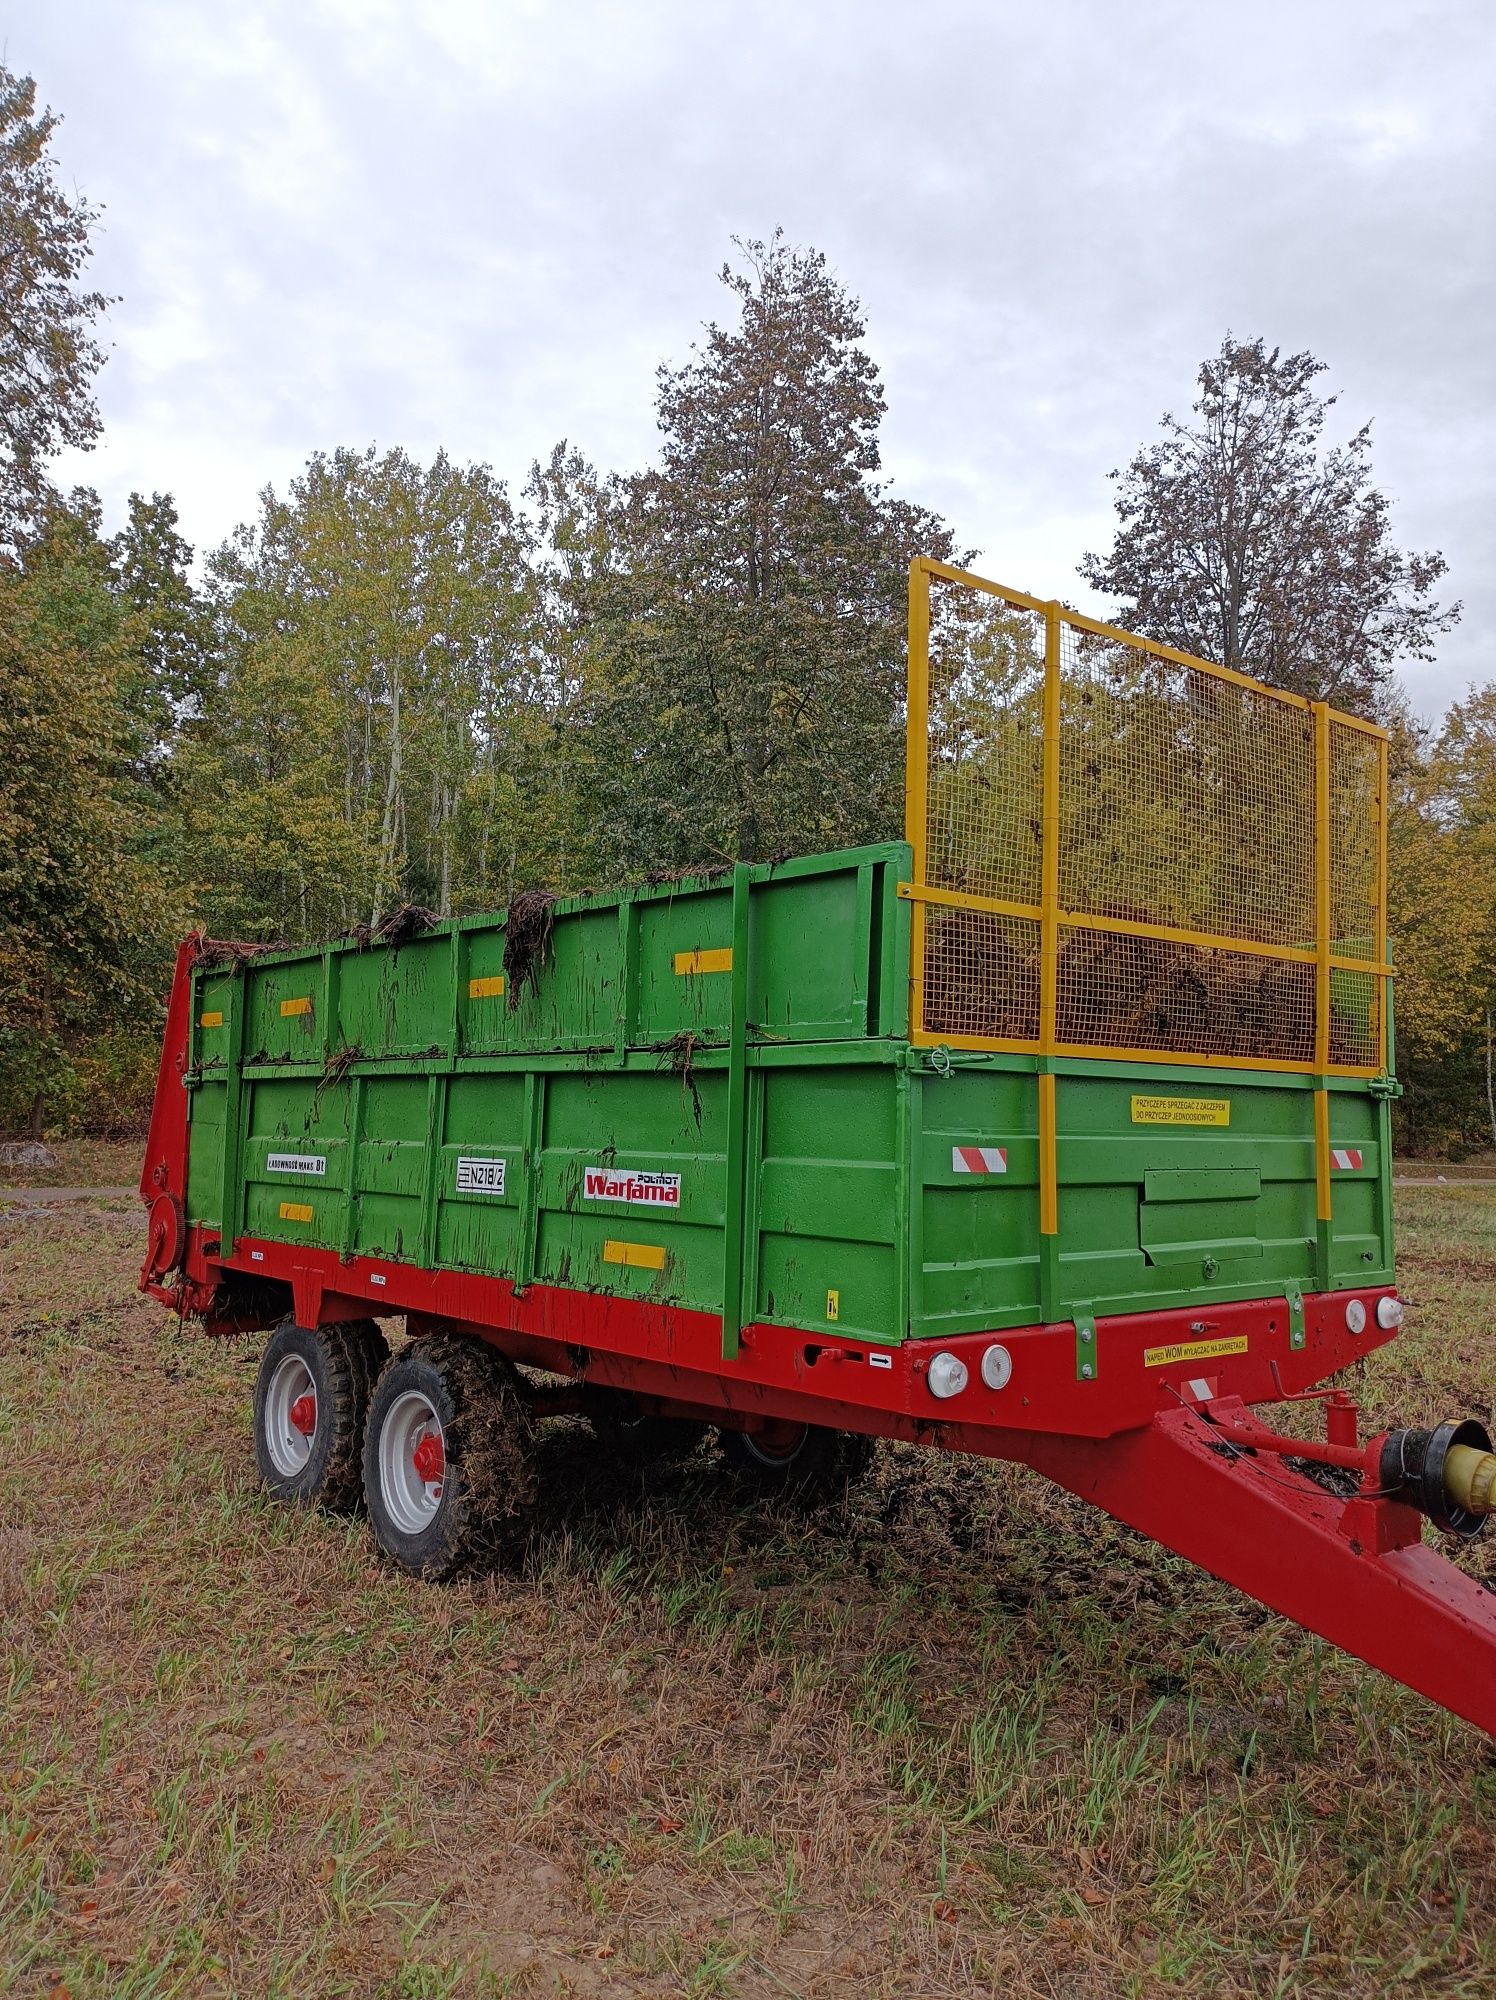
(480, 224)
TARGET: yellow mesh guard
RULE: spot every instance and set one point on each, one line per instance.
(1166, 898)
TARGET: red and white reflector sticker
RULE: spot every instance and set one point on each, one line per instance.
(1202, 1389)
(979, 1160)
(1345, 1157)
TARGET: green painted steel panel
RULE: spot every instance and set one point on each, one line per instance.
(395, 1102)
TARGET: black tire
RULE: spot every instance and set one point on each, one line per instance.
(335, 1366)
(637, 1436)
(435, 1527)
(814, 1465)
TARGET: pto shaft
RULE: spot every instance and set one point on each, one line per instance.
(1470, 1478)
(1448, 1473)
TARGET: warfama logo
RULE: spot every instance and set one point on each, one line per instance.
(649, 1190)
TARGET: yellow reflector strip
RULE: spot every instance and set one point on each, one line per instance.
(717, 960)
(1181, 1111)
(296, 1211)
(212, 1019)
(486, 989)
(1193, 1350)
(646, 1256)
(302, 1005)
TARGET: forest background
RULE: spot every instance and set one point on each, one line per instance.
(405, 682)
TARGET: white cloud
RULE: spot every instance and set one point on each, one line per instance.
(481, 225)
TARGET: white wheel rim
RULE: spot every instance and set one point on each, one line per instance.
(765, 1453)
(288, 1445)
(410, 1500)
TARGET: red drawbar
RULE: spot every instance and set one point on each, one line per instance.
(1354, 1571)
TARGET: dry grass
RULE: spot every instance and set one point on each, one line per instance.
(962, 1737)
(82, 1163)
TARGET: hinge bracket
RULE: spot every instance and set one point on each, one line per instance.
(1294, 1298)
(1085, 1346)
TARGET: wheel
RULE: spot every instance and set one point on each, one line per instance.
(311, 1398)
(449, 1455)
(640, 1436)
(796, 1461)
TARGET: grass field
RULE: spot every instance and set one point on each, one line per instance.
(959, 1736)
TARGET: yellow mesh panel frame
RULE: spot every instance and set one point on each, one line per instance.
(1123, 851)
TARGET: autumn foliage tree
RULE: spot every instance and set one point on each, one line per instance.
(49, 353)
(1246, 539)
(363, 740)
(756, 681)
(1442, 918)
(85, 916)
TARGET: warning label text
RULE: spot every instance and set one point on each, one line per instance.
(1194, 1350)
(1181, 1111)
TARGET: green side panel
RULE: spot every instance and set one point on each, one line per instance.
(477, 1227)
(828, 1213)
(296, 1154)
(1151, 1215)
(683, 1003)
(1361, 1233)
(573, 1000)
(205, 1154)
(284, 1011)
(576, 1132)
(394, 1003)
(485, 1019)
(812, 957)
(631, 1132)
(980, 1232)
(389, 1167)
(210, 1038)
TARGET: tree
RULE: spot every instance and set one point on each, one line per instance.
(755, 632)
(85, 919)
(1442, 918)
(365, 740)
(583, 596)
(48, 354)
(1245, 540)
(168, 625)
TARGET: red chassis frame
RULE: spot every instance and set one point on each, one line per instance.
(1176, 1457)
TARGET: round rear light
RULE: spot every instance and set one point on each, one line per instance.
(997, 1367)
(1355, 1316)
(1389, 1313)
(948, 1375)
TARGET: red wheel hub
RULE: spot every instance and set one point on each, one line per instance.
(429, 1459)
(303, 1414)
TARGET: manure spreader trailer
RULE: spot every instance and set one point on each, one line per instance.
(1057, 1132)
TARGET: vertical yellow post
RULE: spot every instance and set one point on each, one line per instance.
(1322, 922)
(1049, 904)
(1322, 1154)
(1384, 806)
(917, 777)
